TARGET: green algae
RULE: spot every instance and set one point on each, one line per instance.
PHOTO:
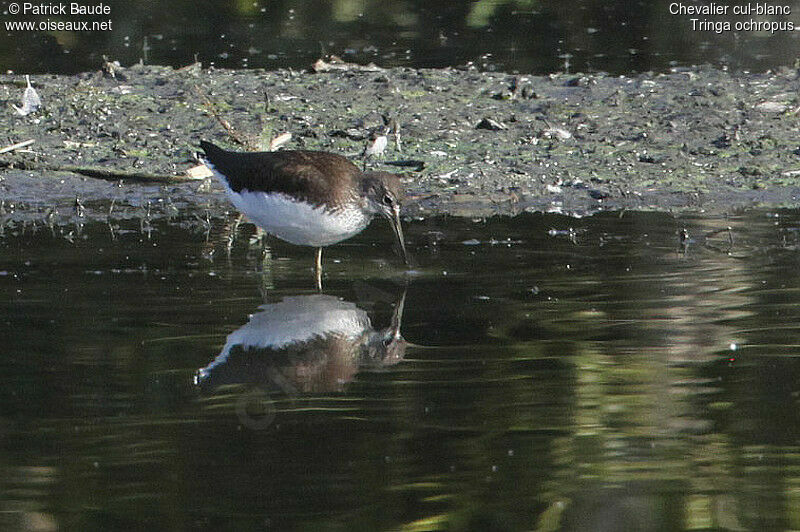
(591, 142)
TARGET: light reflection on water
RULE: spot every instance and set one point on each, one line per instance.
(504, 35)
(557, 374)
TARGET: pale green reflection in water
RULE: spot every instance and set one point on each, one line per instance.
(545, 373)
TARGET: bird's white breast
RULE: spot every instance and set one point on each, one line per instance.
(295, 221)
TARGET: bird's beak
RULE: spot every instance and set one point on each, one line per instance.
(398, 231)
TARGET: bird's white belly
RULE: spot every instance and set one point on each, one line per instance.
(296, 221)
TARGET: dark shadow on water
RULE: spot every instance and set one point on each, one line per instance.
(540, 37)
(626, 370)
(304, 344)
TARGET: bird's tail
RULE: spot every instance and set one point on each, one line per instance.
(211, 157)
(210, 151)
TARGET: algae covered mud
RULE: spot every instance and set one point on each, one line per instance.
(467, 142)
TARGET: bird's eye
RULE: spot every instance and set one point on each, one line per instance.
(387, 200)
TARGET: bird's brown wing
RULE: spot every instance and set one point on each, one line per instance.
(316, 177)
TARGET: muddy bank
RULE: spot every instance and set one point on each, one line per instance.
(473, 143)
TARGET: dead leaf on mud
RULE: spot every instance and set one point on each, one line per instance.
(336, 63)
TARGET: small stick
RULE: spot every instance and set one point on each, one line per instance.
(279, 141)
(100, 173)
(17, 146)
(318, 269)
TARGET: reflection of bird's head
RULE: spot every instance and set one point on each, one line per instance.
(395, 351)
(387, 347)
(384, 348)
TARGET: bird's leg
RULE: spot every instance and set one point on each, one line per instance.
(231, 229)
(267, 282)
(318, 269)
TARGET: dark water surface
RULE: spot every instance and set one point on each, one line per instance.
(529, 36)
(553, 373)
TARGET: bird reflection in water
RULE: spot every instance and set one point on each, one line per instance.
(305, 344)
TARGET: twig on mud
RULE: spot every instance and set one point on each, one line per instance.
(242, 140)
(99, 173)
(17, 146)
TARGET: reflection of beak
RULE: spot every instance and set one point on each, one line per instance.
(398, 231)
(397, 316)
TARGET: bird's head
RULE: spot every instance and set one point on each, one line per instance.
(384, 195)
